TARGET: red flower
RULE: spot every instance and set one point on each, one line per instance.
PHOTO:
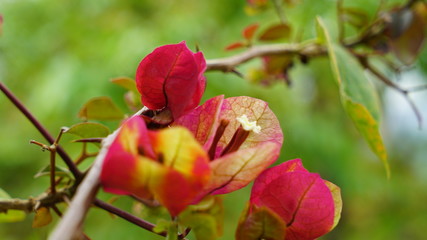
(309, 205)
(171, 78)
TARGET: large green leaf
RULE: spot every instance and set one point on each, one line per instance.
(358, 95)
(10, 215)
(101, 108)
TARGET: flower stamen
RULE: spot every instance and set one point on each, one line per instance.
(248, 125)
(218, 134)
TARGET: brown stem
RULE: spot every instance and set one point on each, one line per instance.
(396, 87)
(28, 205)
(127, 216)
(417, 88)
(43, 131)
(52, 171)
(228, 64)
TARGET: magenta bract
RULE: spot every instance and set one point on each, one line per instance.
(172, 77)
(309, 205)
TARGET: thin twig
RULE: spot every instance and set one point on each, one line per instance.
(228, 64)
(127, 216)
(417, 88)
(57, 211)
(43, 131)
(92, 140)
(394, 86)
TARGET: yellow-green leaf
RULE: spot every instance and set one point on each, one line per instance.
(210, 211)
(42, 217)
(162, 226)
(88, 130)
(100, 108)
(358, 95)
(132, 96)
(126, 83)
(203, 225)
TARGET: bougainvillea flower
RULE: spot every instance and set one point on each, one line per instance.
(241, 135)
(309, 205)
(171, 79)
(169, 165)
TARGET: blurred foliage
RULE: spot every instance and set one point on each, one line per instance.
(56, 55)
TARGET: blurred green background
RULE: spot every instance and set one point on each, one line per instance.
(57, 54)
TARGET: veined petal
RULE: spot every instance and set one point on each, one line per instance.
(255, 110)
(234, 171)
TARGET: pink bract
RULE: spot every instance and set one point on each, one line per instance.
(172, 77)
(309, 205)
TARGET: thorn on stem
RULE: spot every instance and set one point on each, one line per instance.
(43, 146)
(239, 74)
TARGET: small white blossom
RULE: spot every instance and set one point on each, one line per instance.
(248, 125)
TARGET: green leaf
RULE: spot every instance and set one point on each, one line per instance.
(132, 96)
(172, 231)
(162, 226)
(4, 194)
(88, 130)
(11, 215)
(211, 210)
(59, 171)
(203, 225)
(126, 83)
(100, 108)
(275, 32)
(358, 95)
(260, 223)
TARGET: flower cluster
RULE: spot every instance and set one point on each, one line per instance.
(215, 148)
